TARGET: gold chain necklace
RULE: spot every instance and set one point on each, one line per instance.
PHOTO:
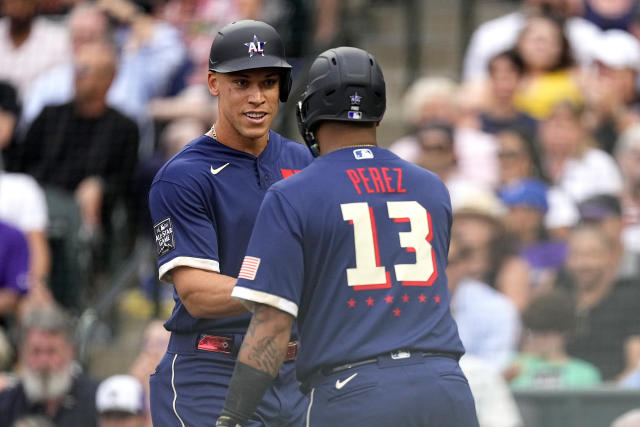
(358, 145)
(213, 131)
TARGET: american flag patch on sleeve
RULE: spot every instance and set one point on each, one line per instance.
(249, 268)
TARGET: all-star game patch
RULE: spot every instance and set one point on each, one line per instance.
(165, 242)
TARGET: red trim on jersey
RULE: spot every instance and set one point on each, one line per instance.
(286, 173)
(378, 286)
(434, 275)
(374, 232)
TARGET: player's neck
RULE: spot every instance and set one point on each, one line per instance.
(227, 135)
(333, 136)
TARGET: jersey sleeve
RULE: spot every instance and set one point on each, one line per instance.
(273, 269)
(184, 233)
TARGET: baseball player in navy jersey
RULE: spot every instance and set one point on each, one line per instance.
(204, 202)
(355, 248)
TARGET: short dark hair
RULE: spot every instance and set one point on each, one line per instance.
(510, 55)
(552, 311)
(600, 207)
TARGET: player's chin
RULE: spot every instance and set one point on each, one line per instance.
(257, 128)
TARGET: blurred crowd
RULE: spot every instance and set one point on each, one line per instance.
(538, 142)
(539, 145)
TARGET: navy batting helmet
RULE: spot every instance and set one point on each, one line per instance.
(345, 84)
(246, 45)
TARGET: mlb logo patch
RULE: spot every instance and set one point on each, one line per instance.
(165, 242)
(354, 115)
(249, 268)
(362, 153)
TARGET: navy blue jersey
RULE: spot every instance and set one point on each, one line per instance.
(355, 246)
(204, 202)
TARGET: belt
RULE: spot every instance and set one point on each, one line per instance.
(221, 344)
(224, 344)
(385, 358)
(396, 355)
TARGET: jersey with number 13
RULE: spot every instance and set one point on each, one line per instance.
(355, 246)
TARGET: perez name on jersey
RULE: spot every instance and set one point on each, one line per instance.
(376, 180)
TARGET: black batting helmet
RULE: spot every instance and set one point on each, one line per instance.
(345, 84)
(246, 45)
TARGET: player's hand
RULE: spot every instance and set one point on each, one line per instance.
(226, 421)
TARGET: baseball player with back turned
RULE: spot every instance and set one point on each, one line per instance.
(355, 247)
(204, 202)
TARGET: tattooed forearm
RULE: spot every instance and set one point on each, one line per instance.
(266, 355)
(259, 317)
(265, 344)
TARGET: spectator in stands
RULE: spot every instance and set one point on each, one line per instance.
(14, 271)
(22, 202)
(493, 259)
(605, 211)
(84, 154)
(23, 205)
(144, 40)
(518, 159)
(548, 75)
(428, 100)
(437, 100)
(628, 157)
(87, 24)
(544, 361)
(29, 45)
(570, 161)
(607, 14)
(611, 92)
(506, 71)
(436, 150)
(500, 34)
(488, 322)
(527, 205)
(526, 202)
(120, 401)
(607, 309)
(51, 383)
(85, 147)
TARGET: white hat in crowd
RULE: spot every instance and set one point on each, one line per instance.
(120, 393)
(617, 49)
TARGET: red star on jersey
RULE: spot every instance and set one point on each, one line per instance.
(422, 298)
(388, 299)
(369, 301)
(397, 312)
(437, 299)
(405, 298)
(352, 303)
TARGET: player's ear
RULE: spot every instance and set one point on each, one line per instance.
(213, 82)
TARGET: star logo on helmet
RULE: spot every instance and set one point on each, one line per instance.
(255, 46)
(355, 99)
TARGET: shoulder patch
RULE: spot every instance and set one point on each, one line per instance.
(163, 231)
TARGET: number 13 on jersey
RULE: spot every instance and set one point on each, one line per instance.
(368, 273)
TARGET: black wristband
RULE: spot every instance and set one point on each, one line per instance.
(245, 392)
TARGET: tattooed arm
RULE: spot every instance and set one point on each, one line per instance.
(265, 344)
(261, 355)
